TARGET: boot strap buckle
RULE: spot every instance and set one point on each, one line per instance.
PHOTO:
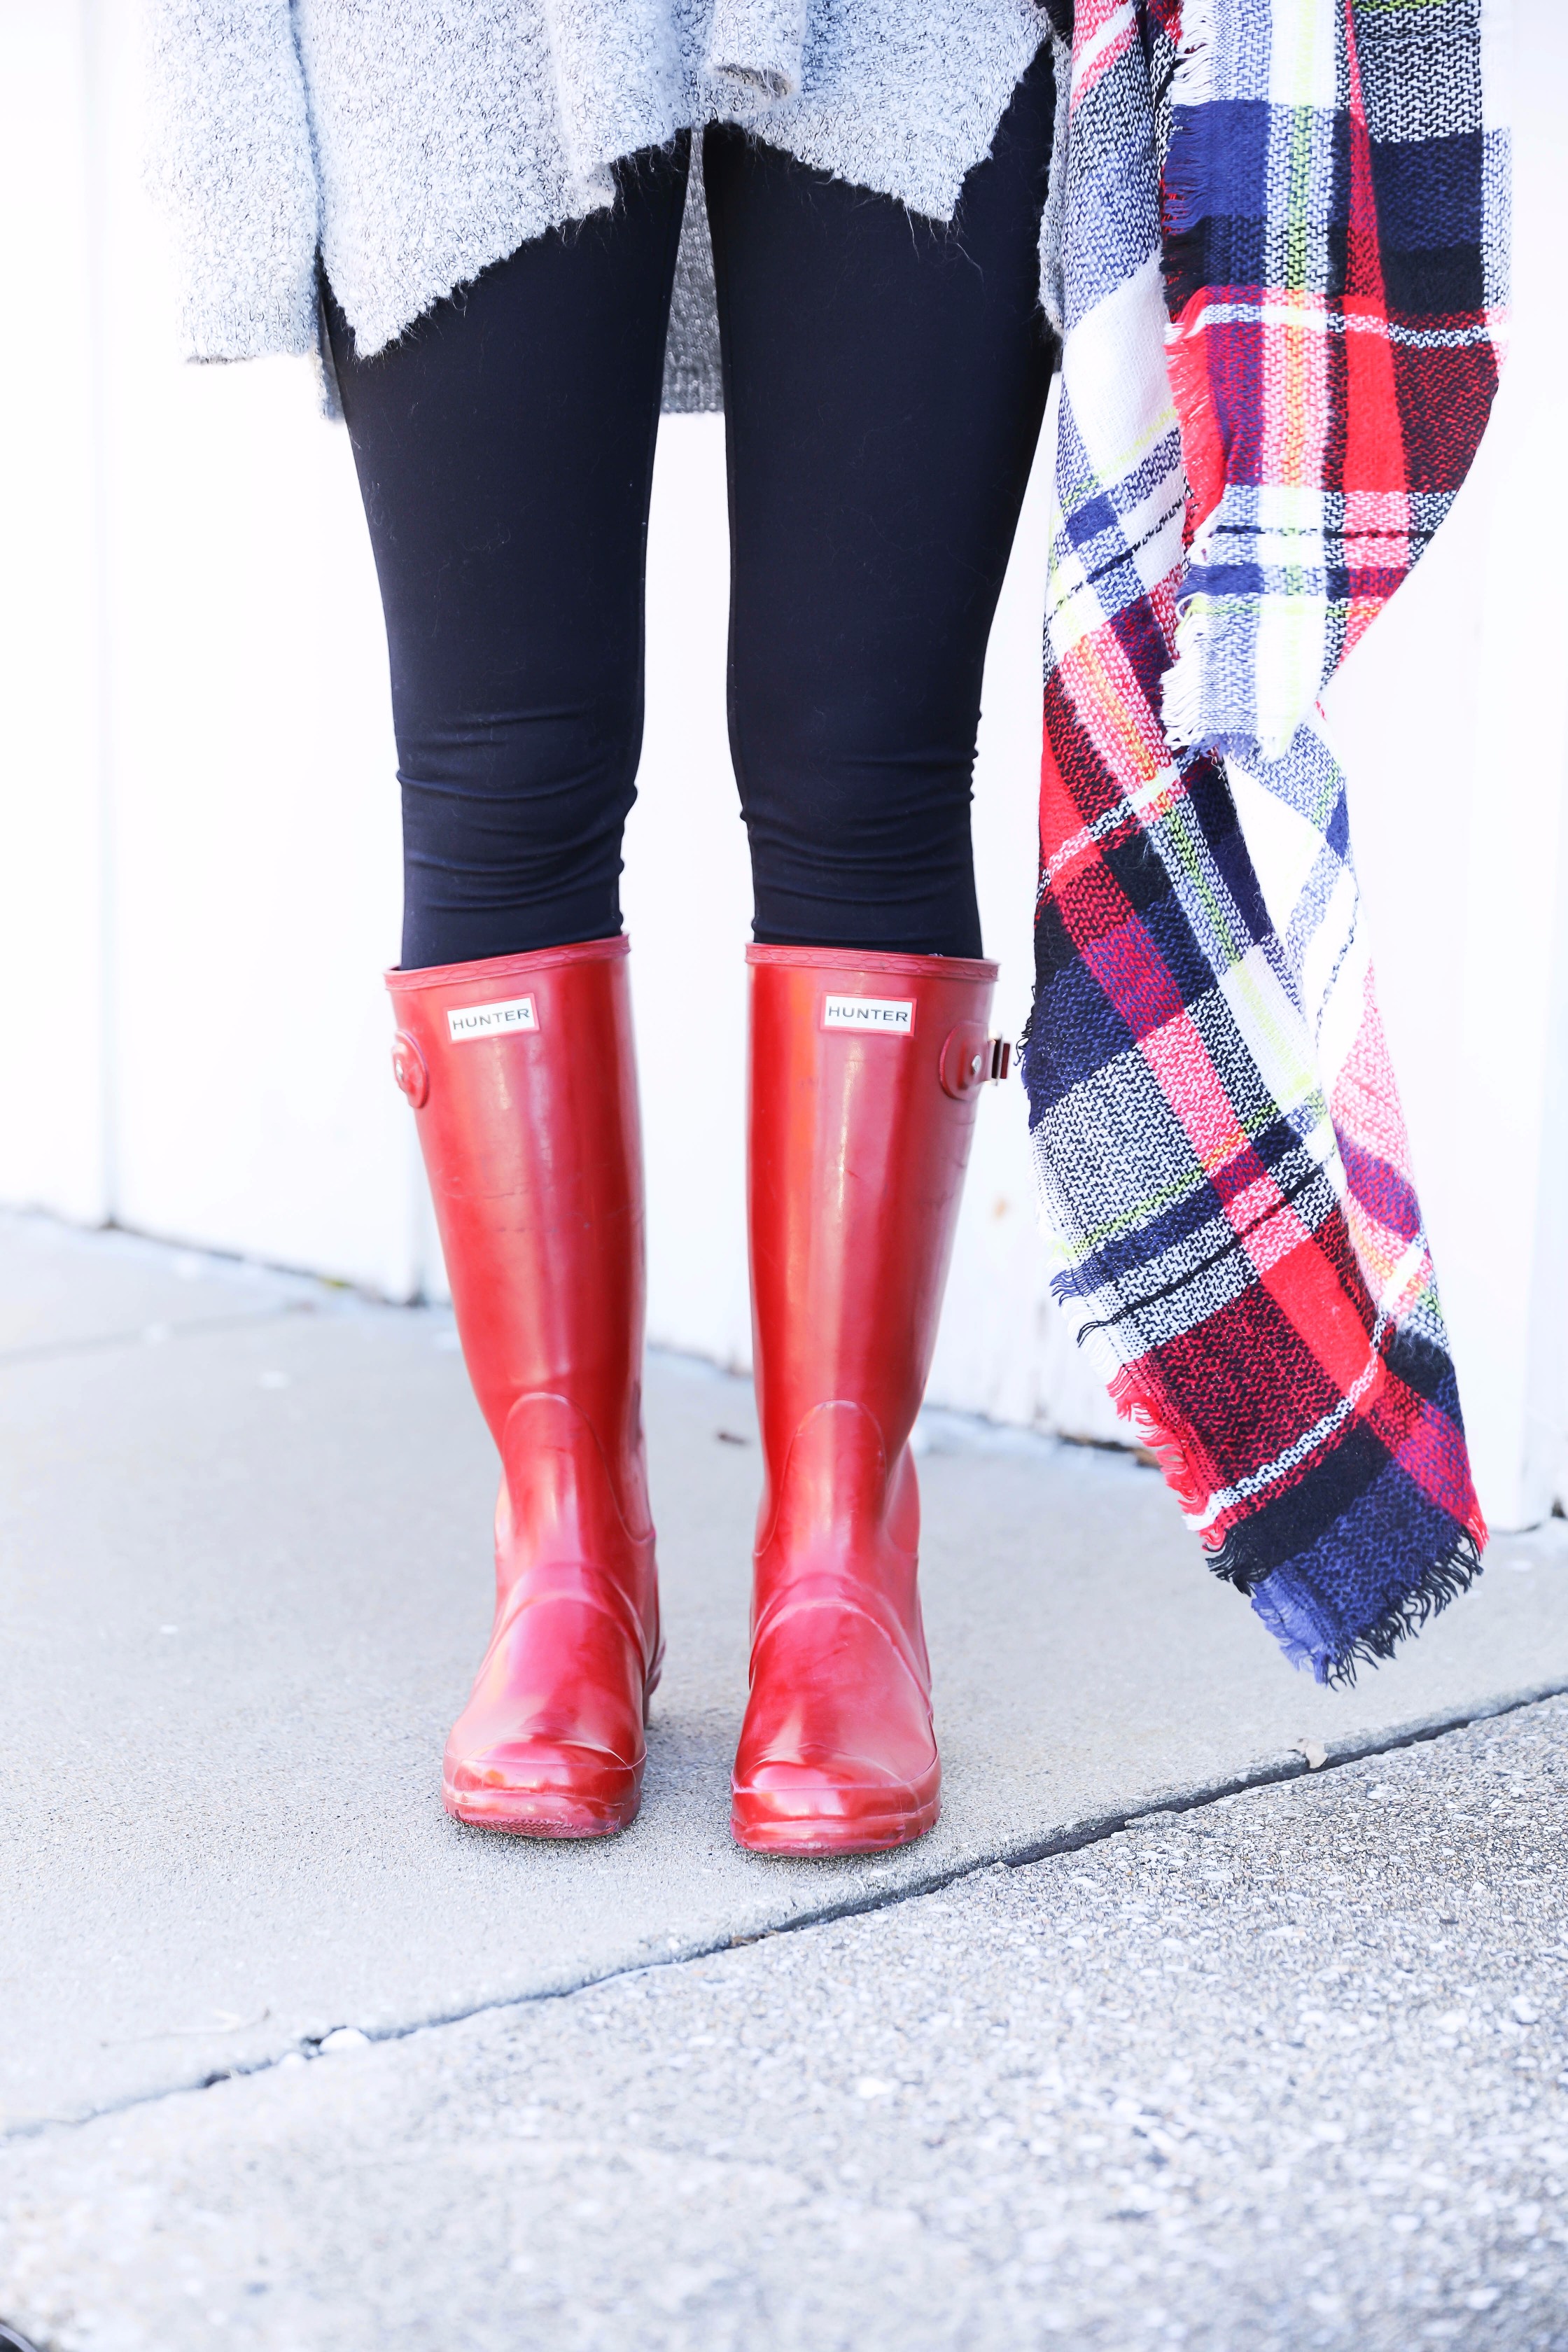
(971, 1059)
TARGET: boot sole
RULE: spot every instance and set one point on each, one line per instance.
(542, 1813)
(872, 1833)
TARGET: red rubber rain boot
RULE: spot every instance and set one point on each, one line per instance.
(521, 1071)
(864, 1076)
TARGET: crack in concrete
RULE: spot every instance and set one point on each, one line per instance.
(1074, 1838)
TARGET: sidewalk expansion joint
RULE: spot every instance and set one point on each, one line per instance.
(1074, 1838)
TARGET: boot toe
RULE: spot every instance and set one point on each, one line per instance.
(788, 1806)
(543, 1787)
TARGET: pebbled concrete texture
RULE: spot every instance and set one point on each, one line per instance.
(243, 1582)
(1285, 2072)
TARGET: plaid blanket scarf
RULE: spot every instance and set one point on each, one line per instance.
(1276, 240)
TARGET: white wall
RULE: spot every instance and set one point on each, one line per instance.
(198, 868)
(52, 909)
(1453, 718)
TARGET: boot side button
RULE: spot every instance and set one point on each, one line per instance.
(408, 1068)
(970, 1059)
(964, 1063)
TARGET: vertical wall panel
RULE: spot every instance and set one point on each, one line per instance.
(53, 1144)
(1453, 718)
(254, 795)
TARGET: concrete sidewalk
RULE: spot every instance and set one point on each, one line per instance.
(1282, 2074)
(246, 1580)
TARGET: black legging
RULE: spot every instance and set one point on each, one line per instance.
(884, 382)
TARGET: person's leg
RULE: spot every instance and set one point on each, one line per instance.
(885, 379)
(885, 385)
(505, 450)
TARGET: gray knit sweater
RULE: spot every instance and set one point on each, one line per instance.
(413, 142)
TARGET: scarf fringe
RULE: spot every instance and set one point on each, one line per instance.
(1444, 1578)
(1127, 1390)
(1128, 1394)
(1192, 81)
(1182, 688)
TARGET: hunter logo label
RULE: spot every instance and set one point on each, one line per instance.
(891, 1016)
(467, 1020)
